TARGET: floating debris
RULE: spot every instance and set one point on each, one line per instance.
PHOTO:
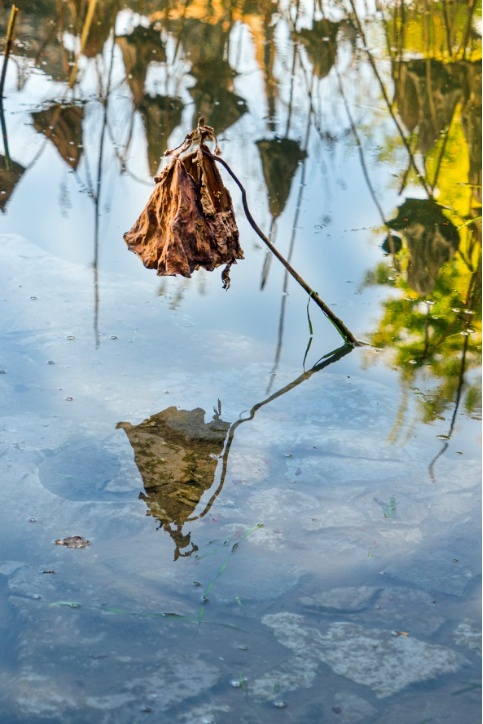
(75, 541)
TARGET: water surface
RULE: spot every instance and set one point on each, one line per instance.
(282, 528)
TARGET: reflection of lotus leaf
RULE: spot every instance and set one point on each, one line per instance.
(427, 92)
(320, 44)
(63, 126)
(203, 43)
(220, 107)
(280, 158)
(161, 115)
(10, 174)
(139, 49)
(431, 238)
(176, 453)
(205, 47)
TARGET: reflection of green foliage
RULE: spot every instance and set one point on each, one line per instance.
(434, 339)
(430, 335)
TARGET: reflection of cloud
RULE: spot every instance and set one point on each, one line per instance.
(431, 239)
(176, 453)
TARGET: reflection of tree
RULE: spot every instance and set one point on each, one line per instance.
(431, 239)
(433, 330)
(177, 455)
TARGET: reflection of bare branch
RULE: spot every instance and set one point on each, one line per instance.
(375, 70)
(281, 323)
(461, 379)
(360, 149)
(97, 192)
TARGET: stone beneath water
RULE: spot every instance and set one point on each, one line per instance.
(372, 657)
(345, 599)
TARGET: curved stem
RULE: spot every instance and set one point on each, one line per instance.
(344, 332)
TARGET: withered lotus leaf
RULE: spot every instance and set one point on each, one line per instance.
(189, 221)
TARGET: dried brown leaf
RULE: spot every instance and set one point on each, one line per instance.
(189, 221)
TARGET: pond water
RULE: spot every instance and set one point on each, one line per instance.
(281, 526)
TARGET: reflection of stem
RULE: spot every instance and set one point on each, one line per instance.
(281, 323)
(344, 332)
(4, 136)
(461, 379)
(85, 33)
(442, 151)
(268, 256)
(448, 29)
(8, 46)
(360, 149)
(405, 141)
(325, 362)
(470, 304)
(97, 198)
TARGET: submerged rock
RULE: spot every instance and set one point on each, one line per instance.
(383, 662)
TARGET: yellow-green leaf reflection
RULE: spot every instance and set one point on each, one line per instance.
(431, 330)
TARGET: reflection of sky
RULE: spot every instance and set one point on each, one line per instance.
(333, 241)
(331, 219)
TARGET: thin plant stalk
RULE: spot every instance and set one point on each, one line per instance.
(344, 332)
(8, 46)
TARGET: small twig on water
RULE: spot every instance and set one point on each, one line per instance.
(345, 333)
(8, 46)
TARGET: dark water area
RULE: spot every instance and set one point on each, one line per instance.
(213, 508)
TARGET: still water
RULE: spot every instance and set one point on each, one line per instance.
(281, 527)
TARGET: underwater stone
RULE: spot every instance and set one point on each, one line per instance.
(374, 658)
(348, 599)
